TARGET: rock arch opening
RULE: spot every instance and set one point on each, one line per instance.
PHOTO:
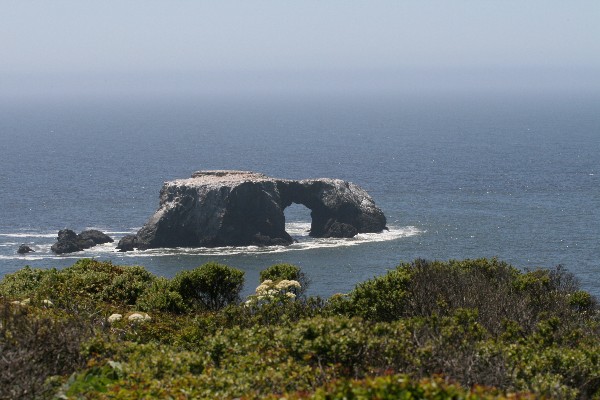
(297, 220)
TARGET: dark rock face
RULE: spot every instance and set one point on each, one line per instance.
(95, 236)
(339, 229)
(127, 243)
(24, 249)
(238, 208)
(69, 241)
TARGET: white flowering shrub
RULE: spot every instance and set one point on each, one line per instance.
(269, 291)
(286, 272)
(114, 318)
(139, 317)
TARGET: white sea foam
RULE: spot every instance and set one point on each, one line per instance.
(54, 235)
(42, 256)
(29, 235)
(107, 231)
(298, 230)
(102, 248)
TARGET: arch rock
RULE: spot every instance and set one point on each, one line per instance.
(242, 208)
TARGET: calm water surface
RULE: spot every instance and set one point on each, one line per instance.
(513, 177)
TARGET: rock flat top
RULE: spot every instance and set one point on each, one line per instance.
(220, 178)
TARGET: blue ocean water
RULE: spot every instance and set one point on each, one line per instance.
(508, 176)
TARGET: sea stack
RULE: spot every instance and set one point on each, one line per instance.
(68, 241)
(242, 208)
(24, 249)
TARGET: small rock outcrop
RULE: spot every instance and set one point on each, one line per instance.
(96, 236)
(240, 208)
(127, 243)
(68, 241)
(24, 249)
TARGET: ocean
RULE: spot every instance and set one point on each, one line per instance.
(512, 176)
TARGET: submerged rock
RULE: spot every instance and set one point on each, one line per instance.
(24, 249)
(239, 208)
(68, 241)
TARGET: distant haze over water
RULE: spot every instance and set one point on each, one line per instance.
(509, 175)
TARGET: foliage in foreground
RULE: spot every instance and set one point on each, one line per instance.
(458, 329)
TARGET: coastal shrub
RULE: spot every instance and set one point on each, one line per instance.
(271, 313)
(554, 371)
(547, 293)
(107, 282)
(35, 346)
(234, 363)
(211, 286)
(23, 283)
(472, 322)
(85, 284)
(256, 361)
(269, 292)
(353, 347)
(88, 278)
(454, 345)
(382, 298)
(190, 385)
(161, 296)
(337, 342)
(126, 287)
(442, 287)
(278, 272)
(581, 301)
(498, 291)
(393, 387)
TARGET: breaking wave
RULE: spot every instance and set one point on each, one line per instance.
(298, 230)
(29, 235)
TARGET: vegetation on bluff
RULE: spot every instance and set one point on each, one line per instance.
(474, 329)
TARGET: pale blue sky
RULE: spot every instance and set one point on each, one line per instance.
(102, 44)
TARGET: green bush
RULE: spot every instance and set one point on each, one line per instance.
(161, 296)
(36, 345)
(473, 322)
(107, 282)
(24, 283)
(277, 311)
(128, 286)
(393, 387)
(211, 286)
(498, 291)
(89, 278)
(85, 282)
(230, 364)
(380, 299)
(582, 301)
(337, 342)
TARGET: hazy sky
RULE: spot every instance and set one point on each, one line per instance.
(80, 45)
